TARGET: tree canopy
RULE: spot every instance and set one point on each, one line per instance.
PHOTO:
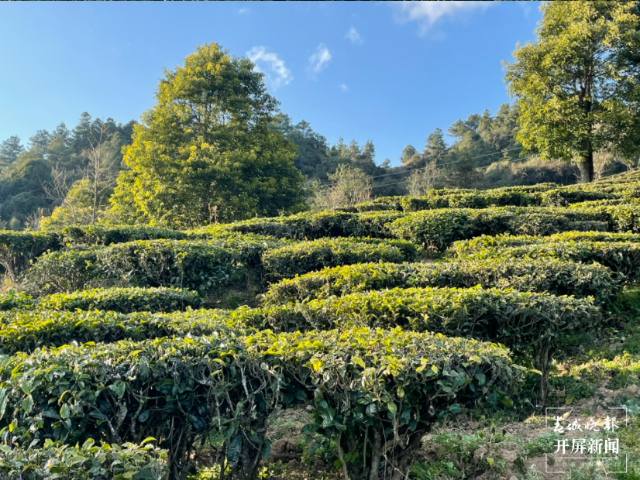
(578, 84)
(205, 152)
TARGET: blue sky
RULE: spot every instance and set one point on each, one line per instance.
(389, 72)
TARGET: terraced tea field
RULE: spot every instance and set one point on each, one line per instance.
(419, 338)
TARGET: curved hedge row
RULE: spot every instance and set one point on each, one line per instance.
(550, 275)
(26, 331)
(196, 265)
(438, 229)
(545, 195)
(528, 323)
(483, 242)
(101, 235)
(124, 300)
(303, 257)
(312, 226)
(86, 462)
(621, 257)
(355, 379)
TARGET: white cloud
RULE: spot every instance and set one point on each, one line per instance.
(277, 74)
(243, 10)
(354, 36)
(343, 87)
(428, 13)
(320, 59)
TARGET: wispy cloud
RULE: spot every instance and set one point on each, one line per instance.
(276, 74)
(320, 59)
(344, 88)
(354, 36)
(242, 11)
(428, 13)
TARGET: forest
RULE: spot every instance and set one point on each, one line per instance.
(217, 293)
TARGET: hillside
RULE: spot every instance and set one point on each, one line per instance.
(405, 337)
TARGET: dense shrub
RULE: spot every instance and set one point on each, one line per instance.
(228, 385)
(197, 265)
(438, 229)
(123, 300)
(100, 235)
(544, 195)
(311, 226)
(528, 323)
(483, 242)
(303, 257)
(622, 257)
(558, 277)
(376, 393)
(129, 391)
(86, 462)
(26, 331)
(13, 299)
(17, 249)
(65, 270)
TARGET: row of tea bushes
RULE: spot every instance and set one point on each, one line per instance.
(484, 242)
(103, 235)
(123, 300)
(205, 266)
(25, 331)
(355, 380)
(621, 257)
(313, 226)
(558, 277)
(300, 258)
(439, 228)
(17, 249)
(511, 196)
(87, 462)
(528, 323)
(195, 265)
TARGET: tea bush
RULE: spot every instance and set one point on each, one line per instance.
(129, 391)
(229, 384)
(197, 265)
(101, 235)
(17, 249)
(25, 331)
(86, 462)
(555, 276)
(463, 247)
(376, 393)
(124, 300)
(528, 323)
(13, 300)
(621, 257)
(312, 226)
(303, 257)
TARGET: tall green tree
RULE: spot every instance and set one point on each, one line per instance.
(578, 84)
(10, 150)
(205, 153)
(435, 147)
(407, 154)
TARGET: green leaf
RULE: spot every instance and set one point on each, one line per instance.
(145, 474)
(64, 411)
(27, 404)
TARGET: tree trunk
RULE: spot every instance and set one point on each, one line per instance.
(585, 164)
